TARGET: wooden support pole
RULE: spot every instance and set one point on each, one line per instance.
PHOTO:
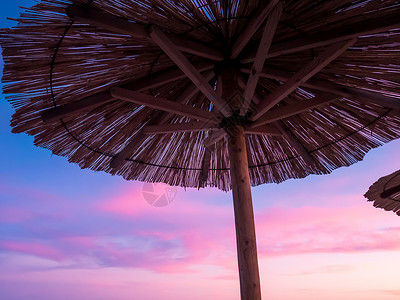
(244, 217)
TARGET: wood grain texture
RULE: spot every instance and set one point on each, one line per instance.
(49, 63)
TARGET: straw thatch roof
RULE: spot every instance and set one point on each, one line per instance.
(327, 92)
(385, 193)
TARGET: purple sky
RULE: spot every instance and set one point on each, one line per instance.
(68, 233)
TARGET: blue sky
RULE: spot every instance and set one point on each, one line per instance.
(92, 235)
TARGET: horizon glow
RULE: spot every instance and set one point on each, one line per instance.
(68, 233)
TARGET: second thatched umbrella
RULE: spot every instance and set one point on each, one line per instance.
(385, 193)
(226, 94)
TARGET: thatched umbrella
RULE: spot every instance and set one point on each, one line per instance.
(385, 193)
(201, 93)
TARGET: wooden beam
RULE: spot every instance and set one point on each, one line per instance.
(312, 83)
(214, 137)
(58, 112)
(251, 28)
(295, 143)
(367, 26)
(191, 91)
(301, 76)
(334, 88)
(179, 127)
(163, 104)
(390, 192)
(163, 77)
(141, 136)
(367, 96)
(242, 85)
(116, 24)
(142, 84)
(262, 130)
(294, 109)
(196, 48)
(191, 72)
(263, 48)
(130, 147)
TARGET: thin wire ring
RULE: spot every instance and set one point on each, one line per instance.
(173, 167)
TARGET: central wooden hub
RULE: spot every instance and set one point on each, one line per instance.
(228, 75)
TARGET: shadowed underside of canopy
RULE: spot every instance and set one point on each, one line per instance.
(385, 193)
(207, 93)
(131, 87)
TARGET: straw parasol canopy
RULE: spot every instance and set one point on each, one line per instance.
(385, 193)
(195, 93)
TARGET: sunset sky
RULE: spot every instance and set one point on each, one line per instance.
(67, 233)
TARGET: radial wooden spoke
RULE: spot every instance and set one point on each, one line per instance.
(55, 113)
(151, 81)
(254, 24)
(165, 76)
(313, 83)
(263, 48)
(367, 96)
(159, 120)
(193, 89)
(336, 89)
(113, 23)
(301, 76)
(262, 130)
(294, 109)
(191, 72)
(361, 28)
(179, 127)
(130, 147)
(390, 192)
(242, 84)
(163, 104)
(295, 143)
(214, 137)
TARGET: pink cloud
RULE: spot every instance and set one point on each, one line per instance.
(14, 215)
(79, 241)
(200, 232)
(283, 231)
(189, 233)
(391, 292)
(33, 248)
